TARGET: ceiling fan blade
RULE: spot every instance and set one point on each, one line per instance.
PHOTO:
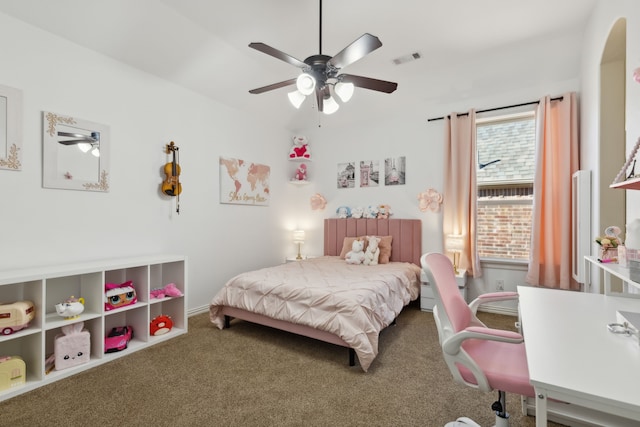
(273, 86)
(369, 83)
(277, 54)
(76, 141)
(355, 51)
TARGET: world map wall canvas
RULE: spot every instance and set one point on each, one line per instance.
(244, 183)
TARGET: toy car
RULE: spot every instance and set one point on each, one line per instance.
(118, 339)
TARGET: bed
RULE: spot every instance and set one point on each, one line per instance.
(327, 299)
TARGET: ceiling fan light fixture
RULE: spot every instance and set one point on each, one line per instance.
(296, 98)
(95, 152)
(306, 83)
(330, 106)
(344, 90)
(84, 146)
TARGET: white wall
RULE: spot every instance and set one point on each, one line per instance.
(47, 226)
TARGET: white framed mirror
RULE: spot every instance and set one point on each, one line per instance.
(10, 128)
(75, 153)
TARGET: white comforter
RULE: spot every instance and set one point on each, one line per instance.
(354, 302)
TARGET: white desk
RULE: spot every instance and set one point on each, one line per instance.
(611, 269)
(572, 356)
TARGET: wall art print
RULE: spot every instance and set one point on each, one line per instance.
(394, 170)
(346, 175)
(369, 173)
(10, 128)
(244, 183)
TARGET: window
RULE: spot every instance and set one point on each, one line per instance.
(506, 166)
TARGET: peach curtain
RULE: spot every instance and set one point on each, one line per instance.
(460, 204)
(556, 161)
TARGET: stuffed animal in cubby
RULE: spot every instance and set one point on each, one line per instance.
(372, 253)
(356, 254)
(170, 290)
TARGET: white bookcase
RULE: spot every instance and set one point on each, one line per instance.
(48, 286)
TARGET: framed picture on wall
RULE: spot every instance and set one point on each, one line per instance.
(394, 171)
(369, 173)
(244, 183)
(346, 175)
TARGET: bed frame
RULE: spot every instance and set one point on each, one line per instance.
(406, 246)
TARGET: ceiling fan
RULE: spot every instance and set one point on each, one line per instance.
(321, 72)
(84, 142)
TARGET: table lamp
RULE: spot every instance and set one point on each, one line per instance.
(298, 237)
(454, 243)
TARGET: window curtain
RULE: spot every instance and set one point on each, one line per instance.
(460, 203)
(556, 161)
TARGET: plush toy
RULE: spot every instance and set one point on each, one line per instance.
(301, 173)
(116, 296)
(371, 212)
(357, 212)
(300, 149)
(343, 212)
(72, 347)
(170, 290)
(384, 211)
(372, 253)
(356, 254)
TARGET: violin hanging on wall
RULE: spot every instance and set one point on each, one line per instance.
(171, 186)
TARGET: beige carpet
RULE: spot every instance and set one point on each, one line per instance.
(251, 375)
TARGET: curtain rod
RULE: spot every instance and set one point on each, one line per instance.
(559, 98)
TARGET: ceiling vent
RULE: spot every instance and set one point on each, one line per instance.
(407, 58)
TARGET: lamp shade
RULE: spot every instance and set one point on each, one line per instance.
(454, 243)
(344, 91)
(306, 83)
(330, 106)
(298, 236)
(296, 98)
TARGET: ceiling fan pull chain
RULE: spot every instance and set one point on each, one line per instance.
(320, 30)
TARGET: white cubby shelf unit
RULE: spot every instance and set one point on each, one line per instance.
(48, 286)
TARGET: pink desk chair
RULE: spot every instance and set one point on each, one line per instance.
(477, 356)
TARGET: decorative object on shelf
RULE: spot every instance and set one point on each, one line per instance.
(171, 185)
(16, 316)
(160, 325)
(320, 73)
(372, 253)
(11, 124)
(116, 296)
(357, 212)
(298, 238)
(300, 149)
(244, 183)
(71, 308)
(118, 339)
(75, 153)
(13, 372)
(430, 200)
(625, 174)
(301, 173)
(72, 347)
(343, 212)
(609, 244)
(371, 212)
(318, 202)
(384, 211)
(356, 254)
(170, 290)
(455, 244)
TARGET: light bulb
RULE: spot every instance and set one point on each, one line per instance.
(95, 152)
(330, 106)
(296, 98)
(306, 83)
(344, 90)
(84, 147)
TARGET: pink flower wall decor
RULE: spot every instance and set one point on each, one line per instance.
(318, 202)
(430, 200)
(636, 75)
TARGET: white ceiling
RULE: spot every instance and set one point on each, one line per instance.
(202, 45)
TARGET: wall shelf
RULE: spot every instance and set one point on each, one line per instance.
(48, 286)
(629, 184)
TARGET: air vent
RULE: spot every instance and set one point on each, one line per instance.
(407, 58)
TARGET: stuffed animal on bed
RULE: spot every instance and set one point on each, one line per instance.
(356, 254)
(372, 253)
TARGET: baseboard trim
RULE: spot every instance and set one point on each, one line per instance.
(197, 310)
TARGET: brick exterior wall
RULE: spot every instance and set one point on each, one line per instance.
(504, 229)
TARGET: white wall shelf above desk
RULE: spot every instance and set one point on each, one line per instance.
(632, 289)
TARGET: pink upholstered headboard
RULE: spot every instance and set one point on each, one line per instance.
(406, 245)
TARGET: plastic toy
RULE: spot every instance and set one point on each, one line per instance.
(116, 296)
(71, 308)
(118, 339)
(160, 325)
(170, 290)
(15, 316)
(12, 372)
